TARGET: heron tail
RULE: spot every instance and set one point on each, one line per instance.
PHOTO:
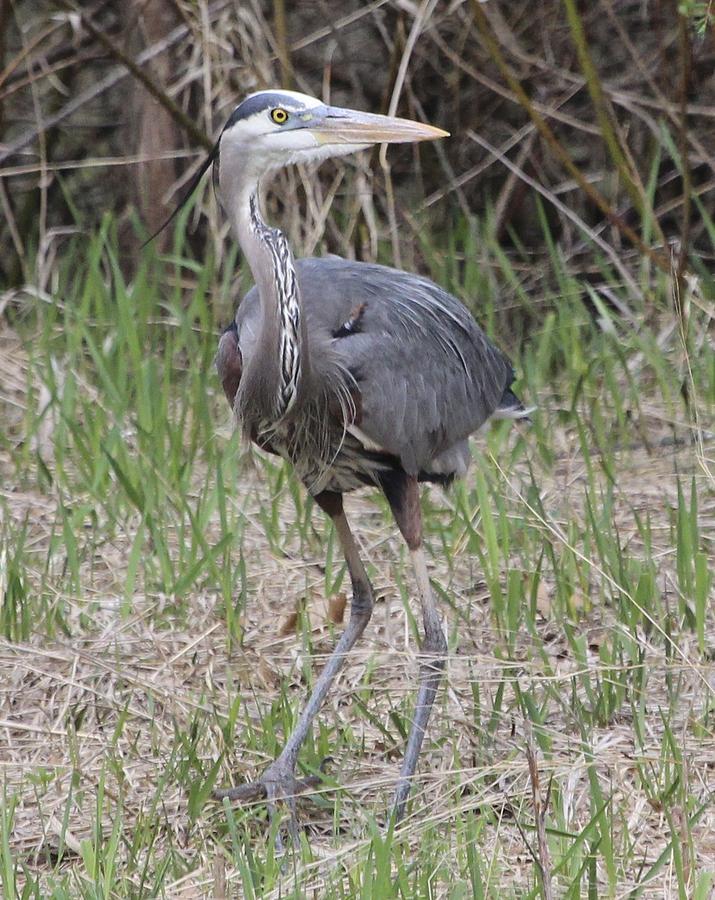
(511, 407)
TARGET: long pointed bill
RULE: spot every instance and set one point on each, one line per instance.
(332, 125)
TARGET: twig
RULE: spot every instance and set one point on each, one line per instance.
(27, 49)
(555, 145)
(503, 201)
(174, 110)
(685, 58)
(424, 12)
(4, 18)
(281, 29)
(564, 209)
(659, 101)
(12, 225)
(365, 10)
(541, 806)
(603, 113)
(96, 90)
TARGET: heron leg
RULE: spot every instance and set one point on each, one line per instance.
(278, 781)
(360, 612)
(402, 492)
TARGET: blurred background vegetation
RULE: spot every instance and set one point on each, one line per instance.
(595, 119)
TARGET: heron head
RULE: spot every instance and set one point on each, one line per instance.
(273, 129)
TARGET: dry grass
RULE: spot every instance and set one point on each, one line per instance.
(100, 709)
(167, 599)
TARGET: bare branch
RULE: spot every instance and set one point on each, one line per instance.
(541, 805)
(96, 90)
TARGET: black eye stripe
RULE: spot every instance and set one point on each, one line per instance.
(253, 105)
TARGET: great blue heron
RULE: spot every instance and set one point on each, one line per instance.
(356, 373)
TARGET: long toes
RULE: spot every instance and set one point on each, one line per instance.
(273, 787)
(301, 785)
(244, 793)
(277, 792)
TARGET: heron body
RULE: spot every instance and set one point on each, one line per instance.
(418, 373)
(358, 374)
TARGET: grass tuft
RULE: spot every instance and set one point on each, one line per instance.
(167, 597)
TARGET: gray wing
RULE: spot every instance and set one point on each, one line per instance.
(427, 374)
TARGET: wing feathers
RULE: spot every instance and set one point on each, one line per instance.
(427, 374)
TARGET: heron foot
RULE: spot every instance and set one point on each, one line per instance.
(276, 785)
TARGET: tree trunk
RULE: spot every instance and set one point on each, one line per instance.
(150, 130)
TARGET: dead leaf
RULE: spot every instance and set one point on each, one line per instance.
(219, 867)
(336, 609)
(289, 624)
(267, 673)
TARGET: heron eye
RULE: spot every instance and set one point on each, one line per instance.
(279, 116)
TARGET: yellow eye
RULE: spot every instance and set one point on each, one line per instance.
(279, 116)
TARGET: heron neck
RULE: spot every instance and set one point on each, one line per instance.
(279, 361)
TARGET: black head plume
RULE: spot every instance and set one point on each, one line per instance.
(194, 183)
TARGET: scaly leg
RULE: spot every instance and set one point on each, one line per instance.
(402, 493)
(278, 781)
(434, 655)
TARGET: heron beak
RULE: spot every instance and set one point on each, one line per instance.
(332, 125)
